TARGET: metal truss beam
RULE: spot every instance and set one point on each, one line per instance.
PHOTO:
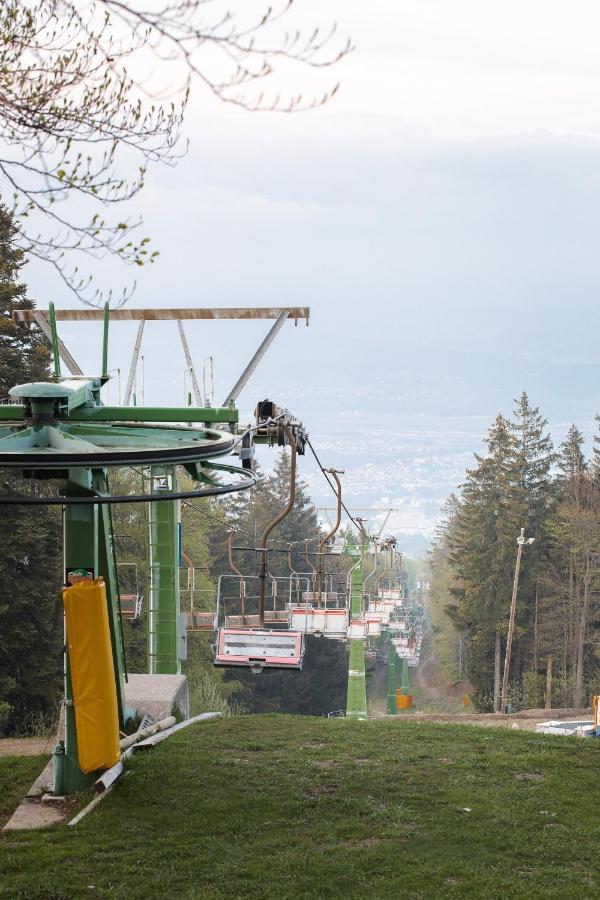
(161, 314)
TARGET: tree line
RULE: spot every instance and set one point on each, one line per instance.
(523, 481)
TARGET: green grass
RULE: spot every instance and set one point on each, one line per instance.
(17, 774)
(270, 806)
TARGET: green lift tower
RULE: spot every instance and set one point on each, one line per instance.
(60, 433)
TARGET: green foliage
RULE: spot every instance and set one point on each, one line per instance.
(24, 352)
(318, 689)
(533, 690)
(209, 692)
(31, 661)
(30, 558)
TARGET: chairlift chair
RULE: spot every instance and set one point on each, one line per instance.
(259, 649)
(131, 606)
(376, 610)
(373, 625)
(195, 619)
(265, 641)
(357, 630)
(391, 593)
(200, 621)
(131, 603)
(337, 545)
(331, 623)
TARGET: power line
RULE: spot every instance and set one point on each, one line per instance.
(239, 530)
(288, 543)
(332, 486)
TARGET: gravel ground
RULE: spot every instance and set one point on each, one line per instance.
(26, 746)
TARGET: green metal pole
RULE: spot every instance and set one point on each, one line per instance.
(405, 686)
(88, 552)
(107, 568)
(105, 341)
(54, 332)
(164, 612)
(391, 679)
(356, 701)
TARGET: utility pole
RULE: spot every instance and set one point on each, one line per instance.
(549, 683)
(511, 622)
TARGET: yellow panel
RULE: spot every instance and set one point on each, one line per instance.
(92, 675)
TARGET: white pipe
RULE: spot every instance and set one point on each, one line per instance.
(91, 805)
(163, 735)
(162, 725)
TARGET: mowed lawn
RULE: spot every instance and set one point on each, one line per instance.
(277, 806)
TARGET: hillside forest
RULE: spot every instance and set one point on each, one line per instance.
(553, 493)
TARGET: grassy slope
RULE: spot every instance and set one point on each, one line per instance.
(267, 806)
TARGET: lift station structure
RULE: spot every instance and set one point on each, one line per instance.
(59, 433)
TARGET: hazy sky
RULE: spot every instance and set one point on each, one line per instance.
(440, 217)
(466, 69)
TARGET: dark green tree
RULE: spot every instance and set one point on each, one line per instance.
(575, 573)
(30, 558)
(534, 460)
(24, 354)
(482, 541)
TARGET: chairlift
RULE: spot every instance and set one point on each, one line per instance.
(373, 625)
(324, 611)
(262, 639)
(259, 649)
(377, 610)
(131, 604)
(195, 620)
(357, 629)
(337, 545)
(394, 594)
(328, 622)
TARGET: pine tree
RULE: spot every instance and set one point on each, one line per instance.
(24, 353)
(535, 458)
(576, 528)
(482, 544)
(30, 559)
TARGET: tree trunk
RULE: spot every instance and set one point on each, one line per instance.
(535, 634)
(517, 663)
(581, 633)
(549, 683)
(572, 611)
(497, 673)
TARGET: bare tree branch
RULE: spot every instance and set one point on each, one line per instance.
(74, 113)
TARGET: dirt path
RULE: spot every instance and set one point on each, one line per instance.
(526, 720)
(26, 746)
(428, 674)
(377, 691)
